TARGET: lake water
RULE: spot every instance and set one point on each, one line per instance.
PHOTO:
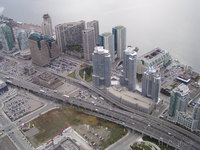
(173, 25)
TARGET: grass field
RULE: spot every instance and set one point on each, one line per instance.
(72, 75)
(88, 78)
(50, 123)
(88, 72)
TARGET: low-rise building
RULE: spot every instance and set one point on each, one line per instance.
(29, 70)
(156, 58)
(48, 80)
(134, 100)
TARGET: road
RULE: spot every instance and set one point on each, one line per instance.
(125, 142)
(142, 123)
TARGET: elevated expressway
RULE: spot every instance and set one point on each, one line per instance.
(146, 124)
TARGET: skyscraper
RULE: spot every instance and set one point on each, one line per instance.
(101, 67)
(94, 24)
(69, 36)
(178, 100)
(43, 49)
(151, 82)
(47, 25)
(6, 38)
(119, 33)
(128, 76)
(22, 38)
(107, 41)
(88, 43)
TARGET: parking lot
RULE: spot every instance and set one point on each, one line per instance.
(7, 64)
(20, 105)
(95, 136)
(62, 66)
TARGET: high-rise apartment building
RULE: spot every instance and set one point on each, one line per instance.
(119, 33)
(128, 76)
(151, 83)
(6, 38)
(107, 41)
(94, 24)
(43, 49)
(47, 25)
(88, 43)
(196, 116)
(69, 36)
(178, 100)
(101, 60)
(22, 38)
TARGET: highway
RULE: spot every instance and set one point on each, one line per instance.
(141, 122)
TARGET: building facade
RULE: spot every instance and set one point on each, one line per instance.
(101, 60)
(192, 122)
(6, 38)
(107, 41)
(47, 25)
(22, 38)
(156, 58)
(119, 33)
(151, 82)
(43, 49)
(94, 24)
(88, 43)
(128, 75)
(69, 37)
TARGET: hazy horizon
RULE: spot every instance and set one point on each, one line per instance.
(169, 24)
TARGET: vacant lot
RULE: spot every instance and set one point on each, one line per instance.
(54, 121)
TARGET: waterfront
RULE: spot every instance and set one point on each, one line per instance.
(169, 24)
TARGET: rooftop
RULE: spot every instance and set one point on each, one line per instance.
(153, 54)
(119, 27)
(100, 50)
(46, 16)
(46, 76)
(134, 98)
(106, 34)
(71, 24)
(130, 51)
(40, 37)
(182, 89)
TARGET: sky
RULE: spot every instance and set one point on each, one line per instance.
(173, 25)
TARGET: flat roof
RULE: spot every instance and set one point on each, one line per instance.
(153, 54)
(106, 34)
(131, 97)
(119, 27)
(182, 89)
